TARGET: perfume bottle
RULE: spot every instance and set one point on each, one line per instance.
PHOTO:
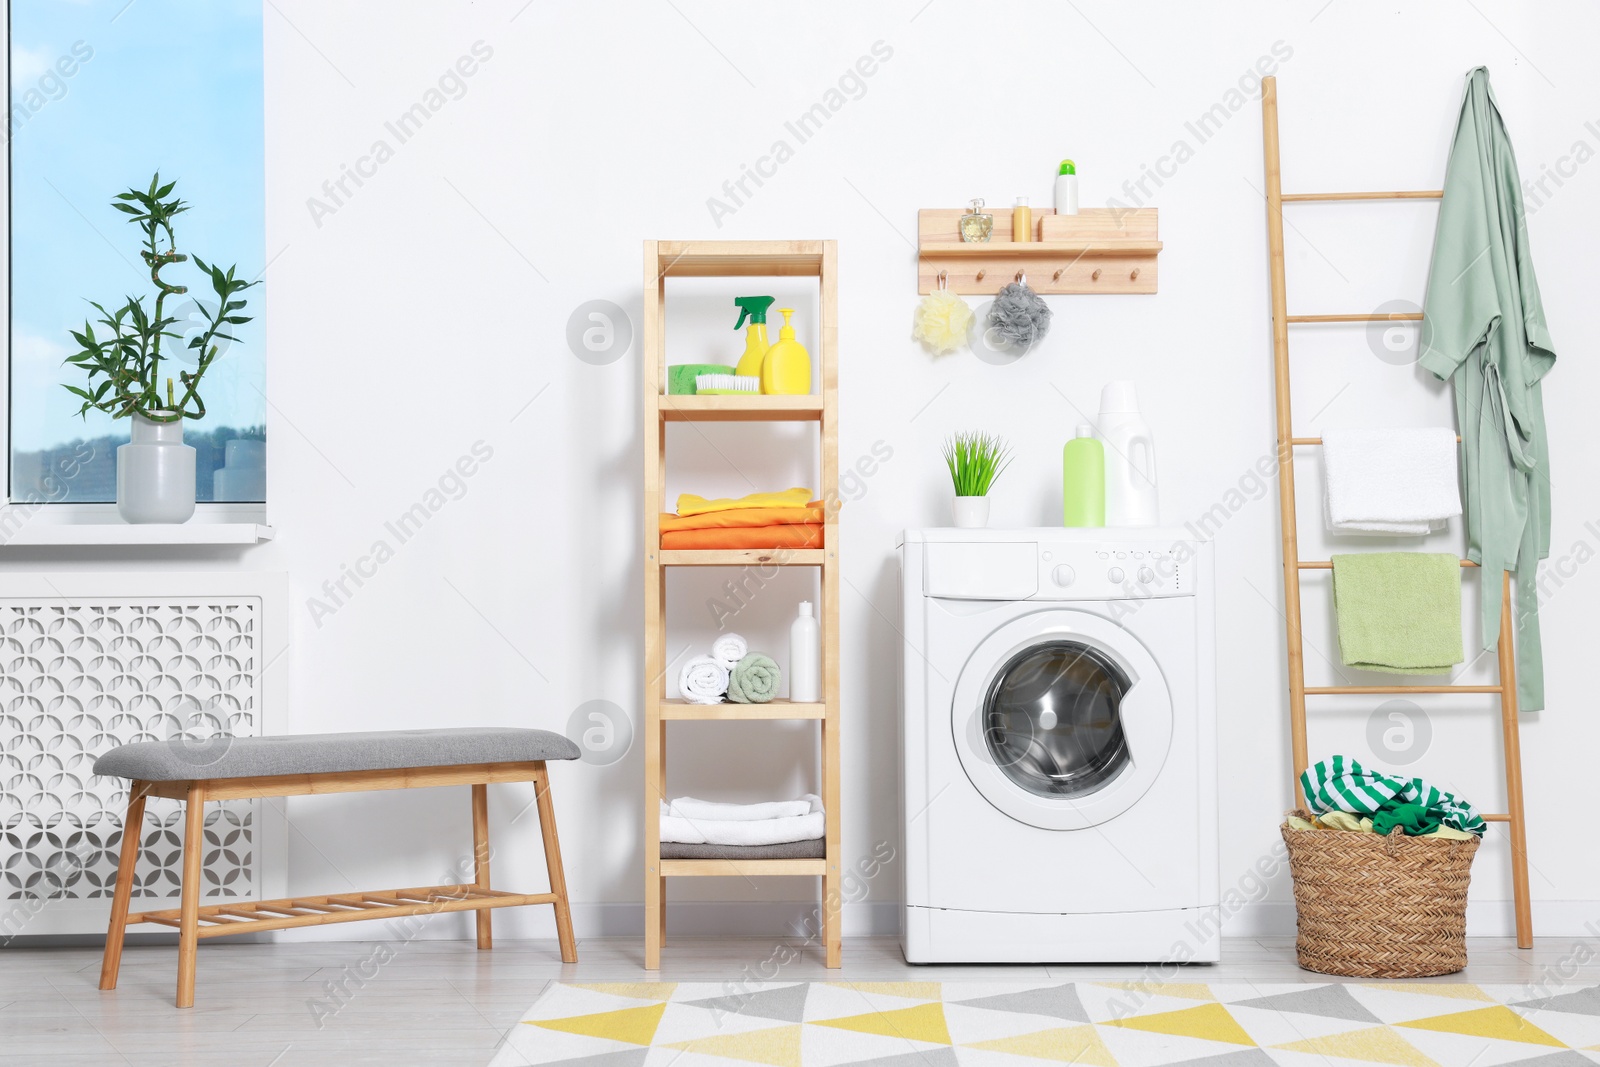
(975, 225)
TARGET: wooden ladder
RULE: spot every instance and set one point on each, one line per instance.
(1506, 690)
(738, 259)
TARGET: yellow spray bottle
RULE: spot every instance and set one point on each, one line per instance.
(787, 368)
(753, 308)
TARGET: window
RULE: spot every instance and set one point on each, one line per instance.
(104, 94)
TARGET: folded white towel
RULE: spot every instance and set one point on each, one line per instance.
(808, 827)
(690, 808)
(703, 681)
(1386, 481)
(729, 649)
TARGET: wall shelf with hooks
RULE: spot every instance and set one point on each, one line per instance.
(1099, 250)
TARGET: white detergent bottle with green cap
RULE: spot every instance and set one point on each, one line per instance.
(1067, 188)
(1130, 458)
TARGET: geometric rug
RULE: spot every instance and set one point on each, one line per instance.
(1018, 1024)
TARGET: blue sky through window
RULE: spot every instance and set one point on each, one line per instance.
(103, 94)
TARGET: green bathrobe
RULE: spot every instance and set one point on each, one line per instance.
(1484, 330)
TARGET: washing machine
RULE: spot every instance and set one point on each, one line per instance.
(1059, 788)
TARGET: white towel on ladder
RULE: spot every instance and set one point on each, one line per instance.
(1385, 481)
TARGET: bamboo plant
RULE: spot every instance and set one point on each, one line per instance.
(123, 364)
(975, 461)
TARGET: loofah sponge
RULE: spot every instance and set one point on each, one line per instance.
(942, 322)
(1019, 316)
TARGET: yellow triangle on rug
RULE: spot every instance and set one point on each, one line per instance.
(1069, 1044)
(925, 1022)
(1498, 1022)
(636, 1026)
(1208, 1021)
(636, 990)
(1377, 1044)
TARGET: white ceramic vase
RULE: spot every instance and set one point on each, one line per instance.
(155, 473)
(971, 512)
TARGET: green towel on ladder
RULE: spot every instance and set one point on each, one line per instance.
(1398, 612)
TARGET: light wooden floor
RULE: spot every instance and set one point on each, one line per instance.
(443, 1003)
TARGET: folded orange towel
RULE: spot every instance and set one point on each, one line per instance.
(785, 535)
(710, 520)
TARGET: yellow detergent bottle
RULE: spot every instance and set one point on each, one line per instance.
(753, 308)
(787, 368)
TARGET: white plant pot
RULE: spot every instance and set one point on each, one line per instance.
(971, 512)
(155, 473)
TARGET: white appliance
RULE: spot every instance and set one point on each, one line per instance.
(1059, 747)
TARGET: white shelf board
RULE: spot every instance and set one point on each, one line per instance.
(23, 526)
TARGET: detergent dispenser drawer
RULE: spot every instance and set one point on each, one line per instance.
(1006, 570)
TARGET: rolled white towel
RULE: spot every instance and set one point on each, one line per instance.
(690, 808)
(808, 827)
(728, 650)
(703, 681)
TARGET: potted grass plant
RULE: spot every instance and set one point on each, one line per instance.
(975, 461)
(124, 364)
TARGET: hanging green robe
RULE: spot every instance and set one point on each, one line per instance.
(1484, 330)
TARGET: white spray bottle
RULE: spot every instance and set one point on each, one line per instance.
(1130, 459)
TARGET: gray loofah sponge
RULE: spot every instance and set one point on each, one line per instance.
(1019, 316)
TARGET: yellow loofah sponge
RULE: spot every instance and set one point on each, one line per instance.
(942, 322)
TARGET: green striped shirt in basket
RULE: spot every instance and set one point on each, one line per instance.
(1342, 784)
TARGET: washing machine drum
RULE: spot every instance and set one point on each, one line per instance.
(1062, 719)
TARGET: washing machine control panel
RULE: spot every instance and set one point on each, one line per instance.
(1112, 571)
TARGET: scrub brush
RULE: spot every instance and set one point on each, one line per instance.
(719, 384)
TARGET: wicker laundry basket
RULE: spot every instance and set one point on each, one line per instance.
(1379, 907)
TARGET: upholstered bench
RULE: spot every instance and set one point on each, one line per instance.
(235, 768)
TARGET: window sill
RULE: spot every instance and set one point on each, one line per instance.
(65, 525)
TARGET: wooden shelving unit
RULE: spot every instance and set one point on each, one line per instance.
(737, 259)
(1098, 250)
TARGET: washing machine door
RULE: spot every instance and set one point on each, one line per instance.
(1062, 719)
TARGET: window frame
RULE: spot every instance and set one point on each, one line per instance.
(53, 522)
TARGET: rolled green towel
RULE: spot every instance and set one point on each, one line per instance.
(680, 378)
(754, 679)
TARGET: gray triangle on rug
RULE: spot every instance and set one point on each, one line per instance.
(1056, 1002)
(1584, 1001)
(1245, 1057)
(936, 1057)
(1568, 1058)
(628, 1057)
(1328, 1001)
(787, 1004)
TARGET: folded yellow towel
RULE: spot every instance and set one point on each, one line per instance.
(689, 504)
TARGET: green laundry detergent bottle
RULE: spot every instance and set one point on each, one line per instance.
(1083, 480)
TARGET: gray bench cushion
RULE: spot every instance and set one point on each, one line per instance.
(263, 757)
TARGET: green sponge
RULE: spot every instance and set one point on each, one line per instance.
(680, 379)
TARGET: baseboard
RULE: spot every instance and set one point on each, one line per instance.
(1485, 918)
(795, 920)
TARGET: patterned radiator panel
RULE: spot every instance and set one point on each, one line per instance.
(80, 676)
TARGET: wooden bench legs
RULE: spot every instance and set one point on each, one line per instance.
(195, 922)
(132, 838)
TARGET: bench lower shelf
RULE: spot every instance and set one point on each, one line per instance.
(244, 917)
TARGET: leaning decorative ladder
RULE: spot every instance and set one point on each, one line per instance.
(736, 259)
(1293, 564)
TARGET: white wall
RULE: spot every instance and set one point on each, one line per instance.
(429, 311)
